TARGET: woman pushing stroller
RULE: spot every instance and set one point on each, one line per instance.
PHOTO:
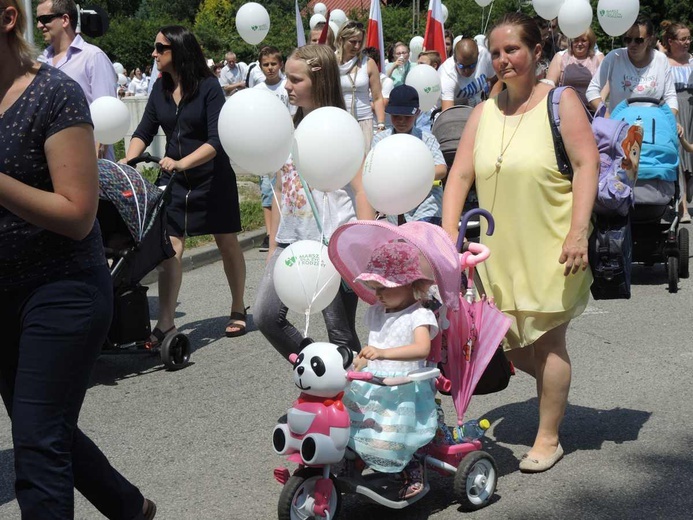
(390, 423)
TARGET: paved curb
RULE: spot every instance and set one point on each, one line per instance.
(208, 254)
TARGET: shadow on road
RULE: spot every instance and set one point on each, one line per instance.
(6, 476)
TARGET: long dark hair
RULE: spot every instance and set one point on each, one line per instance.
(188, 61)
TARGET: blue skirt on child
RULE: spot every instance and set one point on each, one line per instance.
(390, 423)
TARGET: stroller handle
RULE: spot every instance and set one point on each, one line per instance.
(465, 219)
(145, 157)
(650, 100)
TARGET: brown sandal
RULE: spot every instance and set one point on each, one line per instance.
(237, 329)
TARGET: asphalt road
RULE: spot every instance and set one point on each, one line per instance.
(197, 441)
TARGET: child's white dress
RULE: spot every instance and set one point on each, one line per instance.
(389, 423)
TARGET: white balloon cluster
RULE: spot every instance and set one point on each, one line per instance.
(575, 16)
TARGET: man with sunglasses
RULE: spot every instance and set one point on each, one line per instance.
(83, 62)
(467, 76)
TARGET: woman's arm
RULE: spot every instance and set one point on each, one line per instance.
(584, 158)
(201, 155)
(364, 210)
(417, 350)
(554, 72)
(70, 209)
(669, 94)
(376, 91)
(461, 175)
(276, 213)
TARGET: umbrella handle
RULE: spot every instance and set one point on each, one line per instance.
(465, 220)
(475, 254)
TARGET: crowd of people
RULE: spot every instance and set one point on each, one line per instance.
(48, 204)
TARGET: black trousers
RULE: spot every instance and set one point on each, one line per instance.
(52, 335)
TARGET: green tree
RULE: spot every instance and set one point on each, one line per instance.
(183, 10)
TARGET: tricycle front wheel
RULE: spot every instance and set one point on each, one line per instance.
(298, 496)
(475, 480)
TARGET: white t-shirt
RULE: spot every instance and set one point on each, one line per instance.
(229, 77)
(256, 75)
(139, 87)
(278, 90)
(626, 81)
(462, 90)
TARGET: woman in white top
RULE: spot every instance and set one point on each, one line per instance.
(139, 84)
(360, 80)
(636, 70)
(676, 41)
(576, 65)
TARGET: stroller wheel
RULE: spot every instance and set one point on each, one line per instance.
(683, 243)
(175, 351)
(475, 480)
(673, 273)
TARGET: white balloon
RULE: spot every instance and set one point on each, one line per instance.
(256, 131)
(548, 9)
(320, 8)
(252, 22)
(111, 119)
(454, 42)
(445, 12)
(338, 16)
(328, 148)
(483, 3)
(315, 20)
(304, 277)
(617, 16)
(398, 174)
(335, 28)
(426, 81)
(118, 68)
(122, 80)
(574, 17)
(415, 48)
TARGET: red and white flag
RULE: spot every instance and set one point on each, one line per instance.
(300, 33)
(434, 37)
(374, 36)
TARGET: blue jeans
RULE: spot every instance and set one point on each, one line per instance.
(269, 315)
(52, 335)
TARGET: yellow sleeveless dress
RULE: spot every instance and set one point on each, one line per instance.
(531, 202)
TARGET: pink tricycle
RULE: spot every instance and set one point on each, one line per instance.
(316, 432)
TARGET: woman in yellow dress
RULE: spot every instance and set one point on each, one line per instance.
(537, 272)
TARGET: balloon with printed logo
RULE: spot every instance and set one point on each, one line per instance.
(315, 20)
(547, 9)
(111, 119)
(256, 131)
(320, 8)
(398, 174)
(252, 22)
(305, 279)
(328, 148)
(426, 81)
(415, 48)
(338, 16)
(483, 3)
(575, 17)
(617, 16)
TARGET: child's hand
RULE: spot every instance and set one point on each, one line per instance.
(369, 352)
(360, 363)
(679, 130)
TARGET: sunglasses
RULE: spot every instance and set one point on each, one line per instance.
(45, 19)
(628, 40)
(462, 66)
(160, 48)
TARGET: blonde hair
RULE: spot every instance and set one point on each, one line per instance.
(591, 40)
(323, 72)
(22, 49)
(349, 30)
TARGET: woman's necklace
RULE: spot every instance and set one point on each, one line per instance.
(499, 160)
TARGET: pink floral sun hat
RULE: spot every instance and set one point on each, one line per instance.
(394, 264)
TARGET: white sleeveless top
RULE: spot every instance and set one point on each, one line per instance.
(298, 222)
(356, 88)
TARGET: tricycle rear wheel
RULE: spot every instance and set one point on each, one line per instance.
(297, 496)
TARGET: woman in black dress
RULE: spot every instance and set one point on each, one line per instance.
(204, 199)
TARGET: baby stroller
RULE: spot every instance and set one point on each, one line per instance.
(470, 334)
(132, 218)
(447, 129)
(656, 235)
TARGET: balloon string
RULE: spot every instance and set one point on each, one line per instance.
(305, 332)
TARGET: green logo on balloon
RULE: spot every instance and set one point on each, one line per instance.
(427, 89)
(253, 27)
(290, 261)
(601, 12)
